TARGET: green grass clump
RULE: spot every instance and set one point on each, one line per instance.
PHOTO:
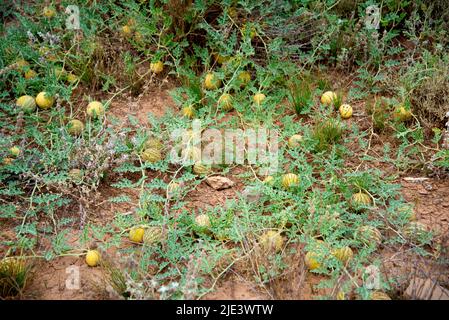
(327, 133)
(14, 273)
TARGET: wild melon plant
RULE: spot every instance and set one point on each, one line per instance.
(52, 176)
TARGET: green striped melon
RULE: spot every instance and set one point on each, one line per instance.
(27, 103)
(201, 169)
(368, 235)
(152, 155)
(153, 143)
(153, 235)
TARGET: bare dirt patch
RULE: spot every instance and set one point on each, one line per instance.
(54, 279)
(204, 196)
(155, 101)
(431, 200)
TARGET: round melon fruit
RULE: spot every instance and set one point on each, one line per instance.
(172, 188)
(153, 143)
(71, 78)
(27, 103)
(343, 254)
(225, 102)
(295, 141)
(157, 67)
(311, 260)
(15, 151)
(49, 12)
(75, 127)
(244, 78)
(368, 235)
(414, 230)
(44, 100)
(211, 82)
(258, 98)
(95, 109)
(76, 175)
(12, 267)
(188, 111)
(152, 155)
(290, 180)
(345, 111)
(30, 74)
(152, 235)
(136, 234)
(202, 223)
(271, 241)
(402, 114)
(360, 199)
(379, 295)
(201, 169)
(126, 30)
(269, 180)
(92, 258)
(328, 98)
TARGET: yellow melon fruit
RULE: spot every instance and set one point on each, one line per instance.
(202, 220)
(172, 188)
(271, 241)
(95, 109)
(49, 12)
(188, 111)
(153, 235)
(157, 67)
(269, 180)
(220, 59)
(15, 151)
(345, 111)
(379, 295)
(244, 78)
(136, 234)
(75, 127)
(44, 100)
(153, 143)
(13, 276)
(368, 235)
(343, 254)
(7, 161)
(414, 230)
(201, 169)
(290, 180)
(93, 258)
(21, 63)
(202, 223)
(71, 78)
(27, 103)
(225, 102)
(311, 260)
(30, 74)
(258, 98)
(211, 82)
(360, 199)
(59, 72)
(76, 175)
(328, 98)
(295, 141)
(340, 295)
(402, 114)
(126, 30)
(151, 155)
